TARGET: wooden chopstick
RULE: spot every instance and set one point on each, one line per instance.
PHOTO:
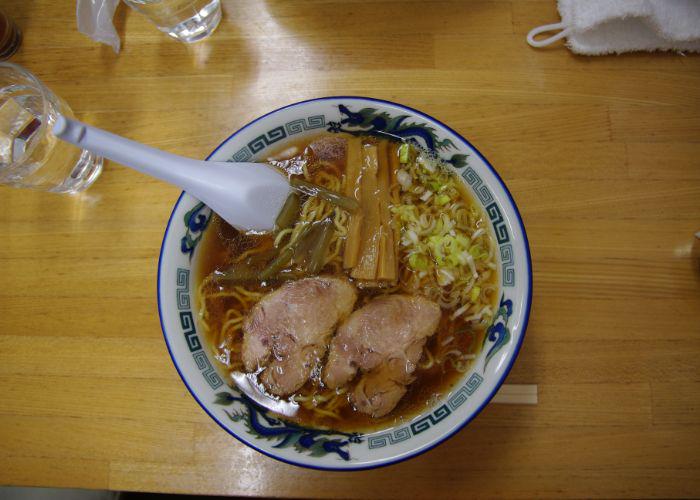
(516, 394)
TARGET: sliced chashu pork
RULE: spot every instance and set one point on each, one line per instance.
(384, 341)
(287, 332)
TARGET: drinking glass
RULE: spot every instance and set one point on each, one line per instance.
(30, 155)
(184, 20)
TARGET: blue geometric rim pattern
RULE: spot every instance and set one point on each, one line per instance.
(424, 423)
(189, 330)
(247, 152)
(506, 249)
(460, 395)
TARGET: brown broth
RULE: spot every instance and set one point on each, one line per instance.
(221, 244)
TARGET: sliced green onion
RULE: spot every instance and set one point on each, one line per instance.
(407, 213)
(418, 262)
(403, 153)
(442, 199)
(436, 185)
(462, 240)
(478, 252)
(435, 246)
(474, 294)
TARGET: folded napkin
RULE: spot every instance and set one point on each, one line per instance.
(594, 27)
(95, 20)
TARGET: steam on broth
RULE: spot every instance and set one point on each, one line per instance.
(385, 219)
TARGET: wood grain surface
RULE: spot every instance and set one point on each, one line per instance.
(601, 154)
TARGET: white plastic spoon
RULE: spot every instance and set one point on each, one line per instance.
(249, 385)
(246, 195)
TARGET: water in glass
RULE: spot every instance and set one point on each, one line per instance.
(185, 20)
(30, 155)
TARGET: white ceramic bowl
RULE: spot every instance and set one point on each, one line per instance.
(317, 448)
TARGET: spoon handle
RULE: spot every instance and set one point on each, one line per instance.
(165, 166)
(246, 195)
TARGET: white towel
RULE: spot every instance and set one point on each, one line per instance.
(595, 27)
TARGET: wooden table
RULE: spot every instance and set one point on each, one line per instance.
(603, 158)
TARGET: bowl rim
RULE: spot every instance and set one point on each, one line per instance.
(516, 349)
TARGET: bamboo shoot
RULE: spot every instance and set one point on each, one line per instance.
(386, 268)
(353, 170)
(366, 268)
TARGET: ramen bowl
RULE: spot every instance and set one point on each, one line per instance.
(324, 448)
